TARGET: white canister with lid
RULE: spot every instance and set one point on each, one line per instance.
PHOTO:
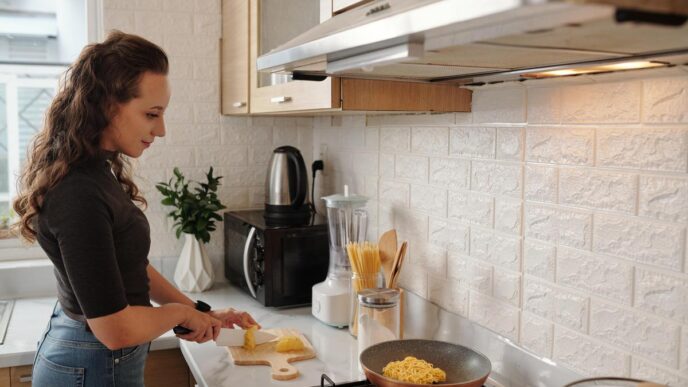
(378, 316)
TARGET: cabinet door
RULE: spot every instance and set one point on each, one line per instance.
(274, 22)
(166, 368)
(4, 377)
(21, 376)
(234, 56)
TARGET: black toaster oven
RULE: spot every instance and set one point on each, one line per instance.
(277, 266)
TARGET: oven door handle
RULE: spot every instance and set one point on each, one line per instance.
(247, 248)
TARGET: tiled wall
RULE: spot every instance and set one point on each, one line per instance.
(198, 136)
(555, 213)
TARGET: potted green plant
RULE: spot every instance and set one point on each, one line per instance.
(194, 215)
(6, 220)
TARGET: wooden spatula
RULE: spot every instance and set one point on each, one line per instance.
(398, 261)
(388, 250)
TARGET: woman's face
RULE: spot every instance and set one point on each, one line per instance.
(136, 123)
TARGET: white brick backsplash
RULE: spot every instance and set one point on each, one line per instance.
(226, 155)
(558, 225)
(412, 168)
(510, 144)
(499, 105)
(598, 189)
(476, 275)
(430, 140)
(372, 138)
(285, 136)
(635, 332)
(663, 149)
(121, 20)
(207, 6)
(541, 183)
(641, 369)
(499, 249)
(544, 105)
(411, 225)
(662, 295)
(497, 316)
(429, 199)
(471, 207)
(208, 24)
(450, 173)
(176, 23)
(449, 295)
(191, 46)
(179, 112)
(600, 276)
(395, 139)
(506, 286)
(588, 356)
(180, 134)
(245, 176)
(664, 198)
(497, 178)
(168, 157)
(611, 102)
(365, 164)
(647, 242)
(472, 142)
(684, 351)
(260, 154)
(560, 146)
(665, 100)
(387, 165)
(537, 334)
(448, 235)
(414, 279)
(205, 113)
(508, 215)
(416, 119)
(539, 259)
(352, 137)
(554, 304)
(432, 258)
(394, 193)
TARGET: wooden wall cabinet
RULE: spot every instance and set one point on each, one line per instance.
(271, 23)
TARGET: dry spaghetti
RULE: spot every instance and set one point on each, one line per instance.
(414, 370)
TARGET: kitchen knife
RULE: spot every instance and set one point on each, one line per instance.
(235, 337)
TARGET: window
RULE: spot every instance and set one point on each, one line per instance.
(24, 97)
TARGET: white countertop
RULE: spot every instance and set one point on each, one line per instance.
(336, 350)
(29, 320)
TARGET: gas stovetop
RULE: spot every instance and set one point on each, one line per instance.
(325, 381)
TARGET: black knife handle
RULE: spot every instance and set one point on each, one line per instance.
(180, 330)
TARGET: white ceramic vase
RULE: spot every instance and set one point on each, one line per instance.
(194, 272)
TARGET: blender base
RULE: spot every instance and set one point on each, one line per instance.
(331, 302)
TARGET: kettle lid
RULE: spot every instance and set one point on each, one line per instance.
(345, 200)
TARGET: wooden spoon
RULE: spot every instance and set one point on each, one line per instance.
(388, 250)
(398, 261)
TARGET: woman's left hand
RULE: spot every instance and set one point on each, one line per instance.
(231, 317)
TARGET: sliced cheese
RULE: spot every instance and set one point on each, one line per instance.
(289, 343)
(249, 338)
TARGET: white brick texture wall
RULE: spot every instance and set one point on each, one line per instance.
(198, 136)
(553, 214)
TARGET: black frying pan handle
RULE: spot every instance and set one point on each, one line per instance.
(180, 330)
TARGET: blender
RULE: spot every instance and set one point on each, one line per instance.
(347, 220)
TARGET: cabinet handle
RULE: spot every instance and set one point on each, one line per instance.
(280, 99)
(238, 104)
(25, 378)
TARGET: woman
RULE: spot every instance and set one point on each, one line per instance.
(77, 202)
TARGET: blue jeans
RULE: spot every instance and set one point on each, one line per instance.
(69, 355)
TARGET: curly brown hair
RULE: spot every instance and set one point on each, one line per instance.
(105, 74)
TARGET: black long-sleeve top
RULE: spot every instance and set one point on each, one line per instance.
(98, 241)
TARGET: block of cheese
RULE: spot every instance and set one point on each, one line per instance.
(249, 338)
(289, 343)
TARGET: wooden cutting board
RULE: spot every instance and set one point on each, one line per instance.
(266, 354)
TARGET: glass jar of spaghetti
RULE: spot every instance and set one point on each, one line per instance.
(360, 282)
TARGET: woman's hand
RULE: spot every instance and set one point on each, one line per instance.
(230, 317)
(203, 326)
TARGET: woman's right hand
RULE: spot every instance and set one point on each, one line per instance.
(203, 326)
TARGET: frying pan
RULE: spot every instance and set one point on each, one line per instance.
(464, 366)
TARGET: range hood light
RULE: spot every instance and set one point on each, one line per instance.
(596, 69)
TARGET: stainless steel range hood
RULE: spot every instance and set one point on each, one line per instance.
(469, 41)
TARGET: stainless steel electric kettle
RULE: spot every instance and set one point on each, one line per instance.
(286, 187)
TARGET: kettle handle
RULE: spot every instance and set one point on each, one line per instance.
(300, 167)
